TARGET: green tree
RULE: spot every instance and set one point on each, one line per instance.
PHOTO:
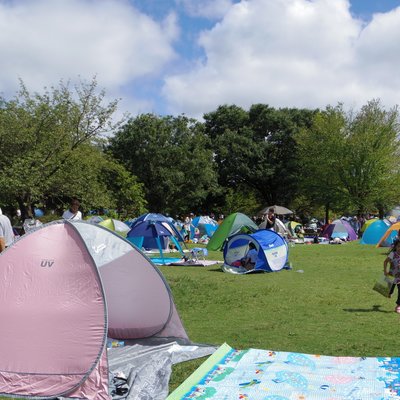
(171, 156)
(274, 132)
(256, 150)
(98, 181)
(320, 154)
(240, 200)
(350, 159)
(370, 169)
(124, 189)
(237, 154)
(40, 135)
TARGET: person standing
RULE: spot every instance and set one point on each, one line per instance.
(187, 227)
(6, 232)
(270, 219)
(393, 262)
(73, 212)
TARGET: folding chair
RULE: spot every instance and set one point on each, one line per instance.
(198, 251)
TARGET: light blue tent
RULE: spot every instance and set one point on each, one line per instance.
(374, 232)
(272, 252)
(205, 226)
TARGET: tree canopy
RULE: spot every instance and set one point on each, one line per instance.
(65, 142)
(173, 159)
(50, 145)
(349, 160)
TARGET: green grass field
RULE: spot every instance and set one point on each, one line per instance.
(328, 308)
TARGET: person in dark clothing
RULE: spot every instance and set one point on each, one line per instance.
(270, 219)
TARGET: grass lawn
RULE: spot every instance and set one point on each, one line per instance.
(328, 308)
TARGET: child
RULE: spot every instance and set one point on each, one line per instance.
(250, 259)
(393, 259)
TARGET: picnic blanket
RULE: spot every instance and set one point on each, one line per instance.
(270, 375)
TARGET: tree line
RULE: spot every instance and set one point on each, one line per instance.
(65, 142)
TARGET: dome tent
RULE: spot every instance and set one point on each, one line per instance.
(375, 231)
(159, 232)
(115, 225)
(65, 286)
(272, 251)
(153, 241)
(231, 225)
(367, 223)
(205, 225)
(389, 236)
(341, 229)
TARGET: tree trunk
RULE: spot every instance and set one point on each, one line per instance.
(327, 213)
(26, 207)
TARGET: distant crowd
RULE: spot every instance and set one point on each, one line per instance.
(11, 228)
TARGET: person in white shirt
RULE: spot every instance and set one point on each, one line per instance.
(73, 212)
(6, 232)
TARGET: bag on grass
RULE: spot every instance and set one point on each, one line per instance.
(384, 284)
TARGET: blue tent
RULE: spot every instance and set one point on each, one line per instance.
(38, 212)
(374, 232)
(205, 226)
(156, 234)
(169, 223)
(272, 251)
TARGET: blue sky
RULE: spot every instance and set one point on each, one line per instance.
(189, 56)
(365, 8)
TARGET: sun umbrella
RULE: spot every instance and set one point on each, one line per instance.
(280, 210)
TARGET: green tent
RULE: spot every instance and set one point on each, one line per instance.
(117, 226)
(231, 225)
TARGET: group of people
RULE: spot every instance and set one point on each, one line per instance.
(7, 235)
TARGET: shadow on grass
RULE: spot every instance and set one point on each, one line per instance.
(375, 308)
(216, 270)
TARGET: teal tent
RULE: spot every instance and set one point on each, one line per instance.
(374, 231)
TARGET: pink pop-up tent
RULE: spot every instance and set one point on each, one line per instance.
(64, 287)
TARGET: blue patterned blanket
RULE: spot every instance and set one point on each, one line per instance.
(268, 375)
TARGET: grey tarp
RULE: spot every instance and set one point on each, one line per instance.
(148, 368)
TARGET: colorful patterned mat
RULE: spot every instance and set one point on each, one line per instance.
(268, 375)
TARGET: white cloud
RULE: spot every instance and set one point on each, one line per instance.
(285, 53)
(378, 55)
(291, 53)
(43, 41)
(212, 9)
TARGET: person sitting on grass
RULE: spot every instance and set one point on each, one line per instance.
(393, 261)
(250, 259)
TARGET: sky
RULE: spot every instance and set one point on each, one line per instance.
(173, 57)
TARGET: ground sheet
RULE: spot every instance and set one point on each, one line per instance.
(268, 375)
